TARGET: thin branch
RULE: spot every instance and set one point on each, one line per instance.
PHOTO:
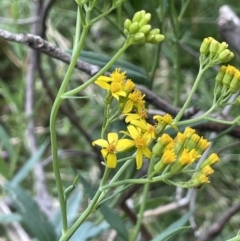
(217, 227)
(19, 21)
(38, 43)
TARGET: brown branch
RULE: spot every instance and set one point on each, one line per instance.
(217, 227)
(38, 43)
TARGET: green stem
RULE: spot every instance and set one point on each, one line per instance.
(66, 236)
(193, 90)
(199, 118)
(53, 133)
(101, 72)
(144, 197)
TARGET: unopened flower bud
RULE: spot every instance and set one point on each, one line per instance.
(150, 38)
(134, 28)
(212, 159)
(220, 75)
(230, 72)
(237, 100)
(159, 38)
(138, 16)
(127, 24)
(235, 83)
(225, 56)
(155, 31)
(145, 19)
(139, 38)
(214, 47)
(222, 47)
(145, 29)
(204, 48)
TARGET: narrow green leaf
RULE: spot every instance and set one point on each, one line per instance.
(175, 228)
(171, 234)
(9, 218)
(89, 230)
(109, 214)
(73, 204)
(32, 217)
(5, 141)
(4, 169)
(27, 167)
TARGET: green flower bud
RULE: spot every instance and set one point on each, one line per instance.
(150, 38)
(204, 48)
(214, 47)
(134, 28)
(139, 38)
(155, 31)
(235, 83)
(138, 16)
(127, 24)
(159, 38)
(222, 47)
(145, 19)
(225, 56)
(230, 72)
(145, 29)
(237, 100)
(153, 39)
(220, 75)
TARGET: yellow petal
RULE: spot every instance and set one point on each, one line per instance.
(111, 160)
(100, 142)
(146, 152)
(103, 85)
(139, 159)
(104, 152)
(112, 137)
(133, 131)
(128, 106)
(124, 144)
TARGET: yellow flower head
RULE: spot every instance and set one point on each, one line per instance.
(118, 76)
(111, 147)
(168, 156)
(188, 157)
(116, 89)
(140, 115)
(202, 145)
(163, 121)
(212, 159)
(207, 170)
(140, 141)
(146, 128)
(129, 85)
(135, 100)
(188, 132)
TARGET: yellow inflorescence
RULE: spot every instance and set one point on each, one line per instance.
(168, 153)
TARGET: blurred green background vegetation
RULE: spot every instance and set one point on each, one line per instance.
(158, 67)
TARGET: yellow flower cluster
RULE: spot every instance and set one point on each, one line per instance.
(229, 77)
(168, 154)
(180, 152)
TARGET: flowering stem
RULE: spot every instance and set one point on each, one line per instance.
(53, 134)
(194, 88)
(82, 218)
(144, 198)
(199, 118)
(101, 72)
